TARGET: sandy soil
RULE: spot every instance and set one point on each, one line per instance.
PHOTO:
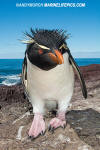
(83, 119)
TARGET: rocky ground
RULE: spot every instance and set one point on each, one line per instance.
(83, 119)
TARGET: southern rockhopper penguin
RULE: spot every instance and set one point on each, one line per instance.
(48, 77)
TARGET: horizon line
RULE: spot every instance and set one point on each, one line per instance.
(74, 58)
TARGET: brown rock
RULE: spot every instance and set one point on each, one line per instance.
(83, 118)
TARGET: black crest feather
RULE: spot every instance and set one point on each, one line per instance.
(49, 38)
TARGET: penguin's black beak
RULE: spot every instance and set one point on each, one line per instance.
(56, 56)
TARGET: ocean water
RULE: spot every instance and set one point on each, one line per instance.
(10, 69)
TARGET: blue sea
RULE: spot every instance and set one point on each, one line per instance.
(10, 69)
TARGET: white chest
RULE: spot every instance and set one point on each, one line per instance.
(50, 84)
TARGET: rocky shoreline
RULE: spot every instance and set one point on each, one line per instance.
(83, 118)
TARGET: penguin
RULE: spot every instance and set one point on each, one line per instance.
(48, 77)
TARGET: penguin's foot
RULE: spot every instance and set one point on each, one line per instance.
(37, 127)
(57, 122)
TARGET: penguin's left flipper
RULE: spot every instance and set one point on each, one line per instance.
(80, 76)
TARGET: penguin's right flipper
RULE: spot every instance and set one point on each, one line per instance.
(24, 76)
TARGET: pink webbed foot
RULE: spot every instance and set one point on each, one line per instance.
(37, 127)
(58, 121)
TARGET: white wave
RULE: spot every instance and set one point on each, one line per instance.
(6, 82)
(11, 76)
(10, 79)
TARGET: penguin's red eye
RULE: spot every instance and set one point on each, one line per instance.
(40, 51)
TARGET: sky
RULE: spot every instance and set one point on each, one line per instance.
(83, 25)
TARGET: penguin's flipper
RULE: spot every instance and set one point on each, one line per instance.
(80, 76)
(24, 76)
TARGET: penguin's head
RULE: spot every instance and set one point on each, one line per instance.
(46, 48)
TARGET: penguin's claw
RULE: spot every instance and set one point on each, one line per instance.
(64, 126)
(56, 123)
(31, 137)
(51, 129)
(42, 133)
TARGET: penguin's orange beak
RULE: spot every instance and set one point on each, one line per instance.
(57, 57)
